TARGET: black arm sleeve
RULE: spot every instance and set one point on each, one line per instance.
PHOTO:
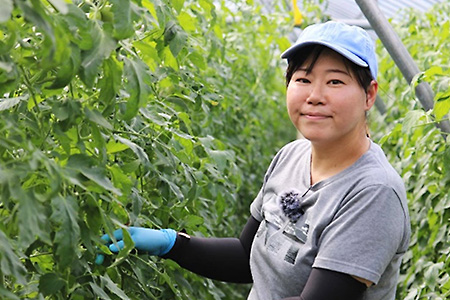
(225, 259)
(325, 284)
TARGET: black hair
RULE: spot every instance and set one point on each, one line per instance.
(362, 74)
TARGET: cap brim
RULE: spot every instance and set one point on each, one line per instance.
(352, 57)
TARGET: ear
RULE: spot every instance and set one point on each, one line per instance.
(371, 95)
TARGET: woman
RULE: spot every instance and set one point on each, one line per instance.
(331, 219)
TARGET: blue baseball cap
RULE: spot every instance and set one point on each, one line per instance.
(352, 42)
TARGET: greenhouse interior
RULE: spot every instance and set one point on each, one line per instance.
(143, 143)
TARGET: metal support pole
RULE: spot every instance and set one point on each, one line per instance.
(379, 104)
(399, 54)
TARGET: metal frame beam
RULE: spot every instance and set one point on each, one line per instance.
(399, 54)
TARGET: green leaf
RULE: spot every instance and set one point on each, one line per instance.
(76, 18)
(412, 119)
(192, 221)
(98, 175)
(96, 117)
(442, 105)
(80, 161)
(173, 187)
(140, 153)
(157, 118)
(86, 166)
(169, 58)
(7, 103)
(125, 251)
(67, 112)
(186, 120)
(5, 294)
(151, 8)
(93, 215)
(65, 216)
(175, 36)
(99, 291)
(188, 22)
(111, 81)
(5, 12)
(92, 59)
(113, 147)
(158, 11)
(432, 272)
(148, 53)
(67, 70)
(446, 162)
(123, 24)
(6, 66)
(33, 219)
(138, 81)
(9, 262)
(37, 15)
(198, 60)
(433, 71)
(221, 158)
(177, 4)
(50, 284)
(113, 287)
(9, 39)
(121, 180)
(60, 6)
(446, 285)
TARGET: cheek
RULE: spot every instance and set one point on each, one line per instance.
(353, 110)
(292, 107)
(292, 99)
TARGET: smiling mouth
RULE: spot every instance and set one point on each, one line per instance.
(314, 116)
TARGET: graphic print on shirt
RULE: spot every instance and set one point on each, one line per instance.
(284, 237)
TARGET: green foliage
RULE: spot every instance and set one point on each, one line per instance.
(166, 114)
(421, 151)
(112, 113)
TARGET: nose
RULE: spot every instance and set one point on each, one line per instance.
(316, 96)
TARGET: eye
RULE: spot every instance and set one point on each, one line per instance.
(302, 80)
(336, 82)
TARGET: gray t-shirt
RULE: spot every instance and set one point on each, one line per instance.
(355, 222)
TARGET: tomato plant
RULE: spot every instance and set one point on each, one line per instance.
(150, 113)
(422, 153)
(166, 113)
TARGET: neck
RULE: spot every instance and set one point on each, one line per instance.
(328, 160)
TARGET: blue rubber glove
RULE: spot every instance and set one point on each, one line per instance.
(152, 241)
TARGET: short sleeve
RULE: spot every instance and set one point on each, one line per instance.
(255, 207)
(364, 235)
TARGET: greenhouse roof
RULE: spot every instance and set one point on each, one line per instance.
(350, 12)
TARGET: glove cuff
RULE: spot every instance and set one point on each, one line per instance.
(171, 236)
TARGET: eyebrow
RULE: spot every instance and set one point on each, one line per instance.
(337, 71)
(307, 70)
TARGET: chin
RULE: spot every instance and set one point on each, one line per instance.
(315, 138)
(309, 138)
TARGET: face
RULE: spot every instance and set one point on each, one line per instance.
(327, 104)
